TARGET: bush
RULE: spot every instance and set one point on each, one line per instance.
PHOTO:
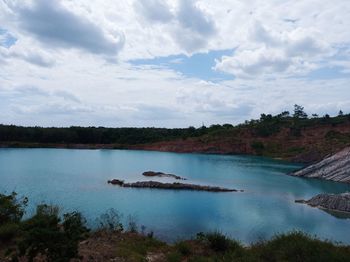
(74, 225)
(298, 246)
(183, 248)
(11, 208)
(174, 257)
(8, 231)
(221, 243)
(75, 230)
(258, 147)
(132, 224)
(43, 234)
(111, 221)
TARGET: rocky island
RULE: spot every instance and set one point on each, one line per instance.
(335, 167)
(161, 174)
(334, 202)
(175, 186)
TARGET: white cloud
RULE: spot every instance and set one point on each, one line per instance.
(188, 25)
(197, 27)
(276, 54)
(154, 10)
(54, 25)
(30, 55)
(64, 58)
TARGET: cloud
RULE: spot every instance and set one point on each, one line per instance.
(35, 58)
(290, 53)
(190, 26)
(51, 109)
(156, 112)
(55, 26)
(254, 62)
(270, 59)
(192, 17)
(29, 92)
(32, 56)
(196, 27)
(22, 92)
(67, 96)
(154, 10)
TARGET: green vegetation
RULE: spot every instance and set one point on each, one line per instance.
(111, 221)
(291, 136)
(48, 237)
(293, 246)
(43, 234)
(11, 212)
(94, 135)
(266, 126)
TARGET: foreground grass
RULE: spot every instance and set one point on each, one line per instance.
(105, 245)
(293, 246)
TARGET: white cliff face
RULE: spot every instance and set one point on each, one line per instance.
(335, 168)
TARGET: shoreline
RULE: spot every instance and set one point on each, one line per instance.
(21, 145)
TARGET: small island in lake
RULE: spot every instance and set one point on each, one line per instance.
(176, 186)
(161, 174)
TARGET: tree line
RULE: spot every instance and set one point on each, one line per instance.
(265, 126)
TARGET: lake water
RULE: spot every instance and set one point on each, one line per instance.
(76, 180)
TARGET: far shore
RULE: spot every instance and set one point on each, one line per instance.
(123, 147)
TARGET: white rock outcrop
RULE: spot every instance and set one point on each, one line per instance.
(335, 167)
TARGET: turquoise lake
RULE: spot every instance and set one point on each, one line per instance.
(77, 180)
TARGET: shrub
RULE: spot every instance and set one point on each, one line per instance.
(43, 234)
(8, 231)
(11, 208)
(219, 242)
(74, 225)
(174, 257)
(111, 221)
(132, 224)
(298, 246)
(183, 248)
(258, 147)
(200, 236)
(150, 234)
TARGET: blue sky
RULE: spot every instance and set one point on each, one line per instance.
(6, 39)
(200, 65)
(170, 63)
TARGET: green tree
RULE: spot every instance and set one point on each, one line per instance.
(44, 234)
(11, 208)
(299, 112)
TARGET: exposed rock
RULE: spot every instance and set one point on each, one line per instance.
(176, 186)
(340, 202)
(116, 182)
(161, 174)
(335, 167)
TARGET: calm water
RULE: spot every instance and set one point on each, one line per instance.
(76, 180)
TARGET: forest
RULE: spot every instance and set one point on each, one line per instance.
(265, 126)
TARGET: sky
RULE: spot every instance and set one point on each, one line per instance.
(170, 63)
